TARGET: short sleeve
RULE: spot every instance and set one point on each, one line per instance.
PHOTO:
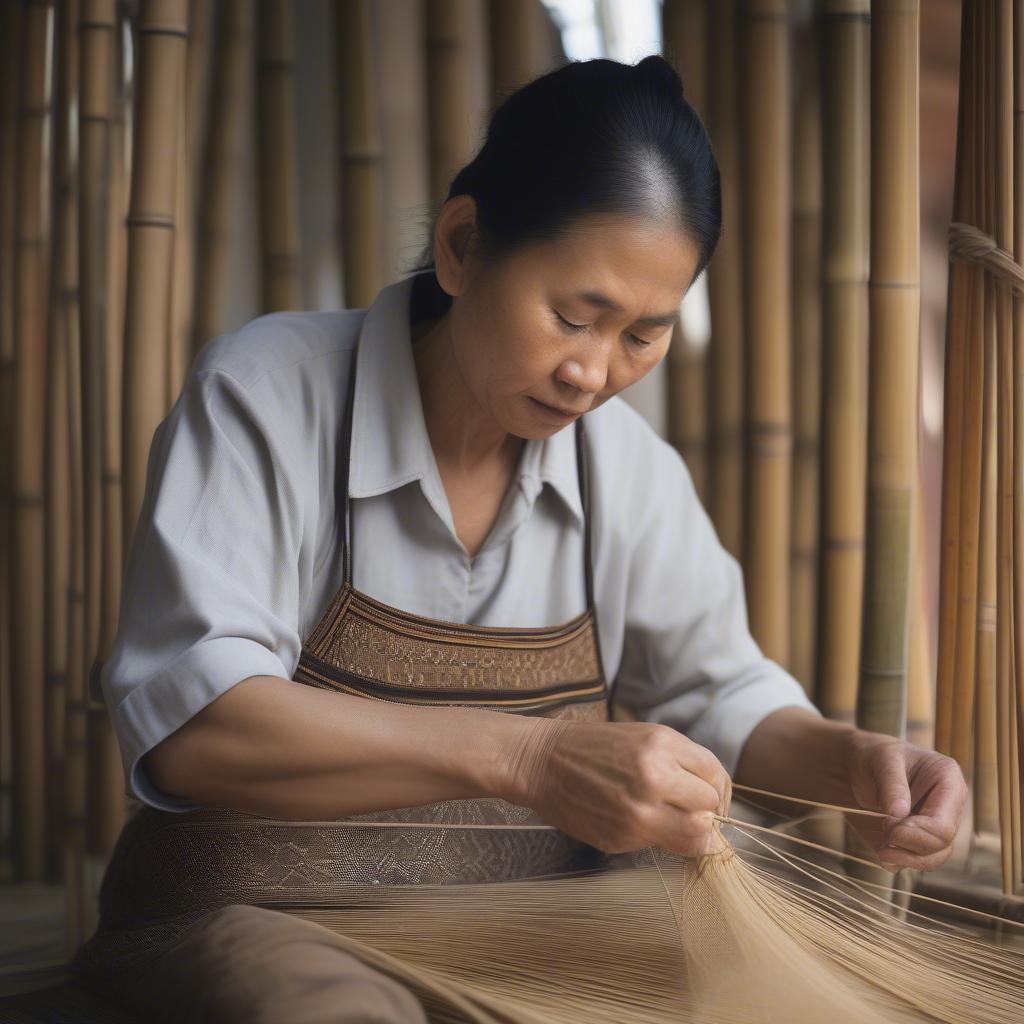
(210, 592)
(689, 660)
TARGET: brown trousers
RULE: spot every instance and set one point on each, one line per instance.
(258, 966)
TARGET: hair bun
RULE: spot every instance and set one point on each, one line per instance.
(660, 72)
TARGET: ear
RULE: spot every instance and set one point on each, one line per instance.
(453, 234)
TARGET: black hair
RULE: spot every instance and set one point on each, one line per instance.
(593, 136)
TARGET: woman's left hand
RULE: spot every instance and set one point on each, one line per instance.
(922, 792)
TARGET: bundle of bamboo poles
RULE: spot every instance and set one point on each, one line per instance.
(981, 627)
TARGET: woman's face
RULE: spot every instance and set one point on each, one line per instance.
(557, 328)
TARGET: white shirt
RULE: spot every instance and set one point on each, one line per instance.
(237, 550)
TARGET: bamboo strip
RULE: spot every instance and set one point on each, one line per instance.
(28, 551)
(962, 432)
(10, 78)
(725, 287)
(846, 252)
(1018, 375)
(894, 293)
(986, 783)
(278, 145)
(684, 35)
(807, 344)
(63, 319)
(766, 185)
(999, 82)
(223, 155)
(361, 157)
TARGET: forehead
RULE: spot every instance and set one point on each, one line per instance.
(631, 259)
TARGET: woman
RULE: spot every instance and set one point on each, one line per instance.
(397, 504)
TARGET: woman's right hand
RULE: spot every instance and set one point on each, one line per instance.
(621, 786)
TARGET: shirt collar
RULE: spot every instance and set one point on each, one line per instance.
(390, 445)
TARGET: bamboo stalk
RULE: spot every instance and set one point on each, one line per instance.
(160, 94)
(361, 156)
(807, 337)
(106, 773)
(725, 287)
(98, 43)
(894, 298)
(454, 128)
(407, 125)
(10, 78)
(199, 68)
(766, 185)
(278, 144)
(63, 319)
(846, 253)
(28, 547)
(684, 35)
(223, 155)
(522, 44)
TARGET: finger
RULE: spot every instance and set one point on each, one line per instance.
(939, 814)
(893, 860)
(689, 793)
(911, 837)
(891, 785)
(701, 762)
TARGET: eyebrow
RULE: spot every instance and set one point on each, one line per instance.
(600, 299)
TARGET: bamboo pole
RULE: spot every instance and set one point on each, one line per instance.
(106, 776)
(63, 319)
(522, 45)
(10, 78)
(845, 267)
(223, 156)
(160, 94)
(921, 673)
(962, 431)
(28, 551)
(766, 185)
(684, 35)
(278, 144)
(199, 68)
(361, 157)
(894, 293)
(453, 115)
(725, 287)
(407, 124)
(807, 312)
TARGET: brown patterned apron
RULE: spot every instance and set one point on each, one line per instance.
(169, 869)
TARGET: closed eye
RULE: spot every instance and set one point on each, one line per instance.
(575, 328)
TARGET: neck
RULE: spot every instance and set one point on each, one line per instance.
(464, 435)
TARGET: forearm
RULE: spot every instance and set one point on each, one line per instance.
(796, 752)
(276, 747)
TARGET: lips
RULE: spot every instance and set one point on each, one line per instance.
(558, 409)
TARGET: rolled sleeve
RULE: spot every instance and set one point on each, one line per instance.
(211, 586)
(689, 660)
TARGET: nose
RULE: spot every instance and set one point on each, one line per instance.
(585, 371)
